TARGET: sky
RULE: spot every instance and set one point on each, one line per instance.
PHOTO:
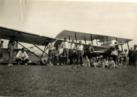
(49, 18)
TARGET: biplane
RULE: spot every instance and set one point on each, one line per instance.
(99, 42)
(23, 37)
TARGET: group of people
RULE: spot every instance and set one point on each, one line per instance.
(66, 53)
(71, 53)
(21, 56)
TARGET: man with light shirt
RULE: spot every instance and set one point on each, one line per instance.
(80, 53)
(72, 52)
(51, 53)
(11, 47)
(22, 57)
(65, 46)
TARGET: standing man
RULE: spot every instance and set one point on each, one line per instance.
(1, 44)
(90, 51)
(125, 57)
(72, 52)
(65, 46)
(51, 54)
(130, 55)
(80, 53)
(60, 53)
(75, 53)
(135, 55)
(114, 54)
(11, 45)
(1, 53)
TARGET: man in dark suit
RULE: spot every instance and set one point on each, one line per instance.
(130, 55)
(135, 55)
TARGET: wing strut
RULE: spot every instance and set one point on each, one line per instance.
(44, 51)
(39, 49)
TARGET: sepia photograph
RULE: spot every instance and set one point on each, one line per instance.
(68, 48)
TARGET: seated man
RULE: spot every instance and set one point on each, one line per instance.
(95, 62)
(105, 63)
(112, 63)
(86, 62)
(22, 57)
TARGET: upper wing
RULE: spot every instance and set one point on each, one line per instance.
(20, 36)
(87, 36)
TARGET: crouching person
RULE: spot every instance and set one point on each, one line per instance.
(86, 62)
(112, 63)
(22, 57)
(105, 63)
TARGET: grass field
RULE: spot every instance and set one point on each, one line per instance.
(67, 81)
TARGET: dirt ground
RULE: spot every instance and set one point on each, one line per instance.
(67, 81)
